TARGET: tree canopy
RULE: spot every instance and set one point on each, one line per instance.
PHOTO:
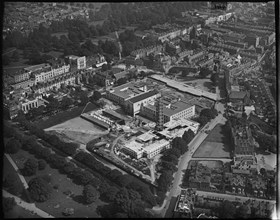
(12, 146)
(39, 189)
(90, 194)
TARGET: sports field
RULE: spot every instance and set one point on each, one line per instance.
(216, 145)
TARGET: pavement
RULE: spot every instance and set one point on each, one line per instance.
(21, 177)
(28, 206)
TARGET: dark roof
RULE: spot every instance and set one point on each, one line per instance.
(143, 96)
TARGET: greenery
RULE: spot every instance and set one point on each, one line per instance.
(8, 204)
(39, 189)
(12, 185)
(227, 210)
(30, 167)
(90, 194)
(12, 146)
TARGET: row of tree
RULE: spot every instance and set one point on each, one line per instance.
(107, 188)
(206, 115)
(169, 161)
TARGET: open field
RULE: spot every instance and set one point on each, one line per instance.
(78, 130)
(216, 145)
(59, 201)
(63, 116)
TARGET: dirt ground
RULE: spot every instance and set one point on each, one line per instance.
(78, 130)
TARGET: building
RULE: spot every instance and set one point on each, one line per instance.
(121, 94)
(177, 127)
(76, 62)
(185, 203)
(146, 145)
(196, 56)
(141, 53)
(171, 111)
(133, 105)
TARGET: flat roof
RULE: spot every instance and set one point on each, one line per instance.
(185, 88)
(135, 146)
(155, 145)
(146, 136)
(143, 96)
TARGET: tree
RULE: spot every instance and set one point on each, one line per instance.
(42, 164)
(204, 71)
(66, 102)
(165, 180)
(30, 167)
(227, 210)
(209, 113)
(12, 184)
(188, 136)
(111, 193)
(121, 81)
(6, 60)
(39, 189)
(96, 95)
(16, 56)
(214, 78)
(8, 204)
(12, 146)
(90, 194)
(242, 211)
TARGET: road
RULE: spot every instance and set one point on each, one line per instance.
(22, 179)
(28, 206)
(183, 164)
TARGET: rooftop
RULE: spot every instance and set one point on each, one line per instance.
(146, 136)
(143, 96)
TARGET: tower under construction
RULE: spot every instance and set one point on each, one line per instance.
(159, 114)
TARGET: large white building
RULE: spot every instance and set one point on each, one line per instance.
(180, 109)
(146, 145)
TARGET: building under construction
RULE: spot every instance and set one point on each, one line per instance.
(159, 114)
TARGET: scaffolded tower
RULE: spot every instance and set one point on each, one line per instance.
(159, 114)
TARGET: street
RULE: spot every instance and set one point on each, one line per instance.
(184, 161)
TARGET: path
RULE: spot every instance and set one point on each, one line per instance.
(22, 179)
(28, 206)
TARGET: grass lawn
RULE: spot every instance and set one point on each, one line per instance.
(58, 201)
(19, 212)
(216, 145)
(63, 116)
